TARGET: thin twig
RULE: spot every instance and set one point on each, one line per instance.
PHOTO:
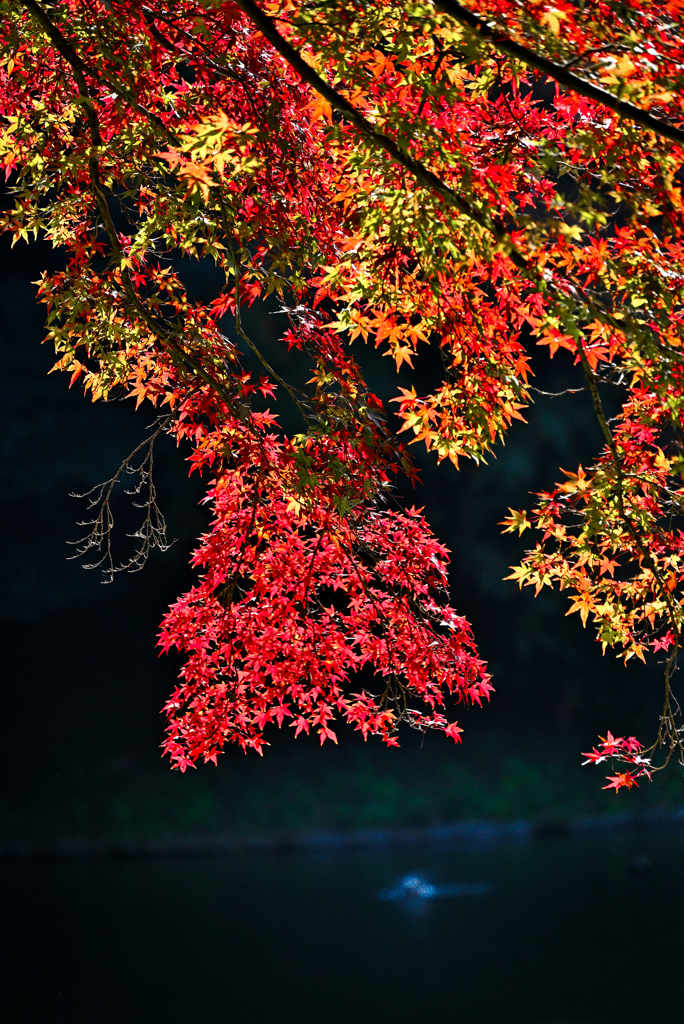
(557, 394)
(152, 532)
(668, 732)
(65, 48)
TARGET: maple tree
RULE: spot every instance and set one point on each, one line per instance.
(477, 179)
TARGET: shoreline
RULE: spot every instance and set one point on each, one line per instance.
(474, 832)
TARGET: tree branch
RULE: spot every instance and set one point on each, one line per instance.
(379, 139)
(79, 69)
(556, 71)
(79, 66)
(152, 532)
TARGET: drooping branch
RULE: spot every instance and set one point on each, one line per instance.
(496, 38)
(79, 69)
(669, 731)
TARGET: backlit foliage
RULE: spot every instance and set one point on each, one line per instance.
(475, 179)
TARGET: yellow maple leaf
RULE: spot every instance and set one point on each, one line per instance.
(516, 521)
(552, 20)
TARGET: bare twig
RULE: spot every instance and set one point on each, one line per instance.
(150, 534)
(557, 394)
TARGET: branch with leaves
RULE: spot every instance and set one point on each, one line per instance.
(412, 176)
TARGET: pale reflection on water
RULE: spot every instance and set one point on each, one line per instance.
(414, 889)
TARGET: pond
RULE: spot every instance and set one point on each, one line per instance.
(555, 931)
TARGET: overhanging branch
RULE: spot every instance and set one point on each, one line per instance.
(379, 139)
(556, 71)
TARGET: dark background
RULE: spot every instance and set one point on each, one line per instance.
(83, 684)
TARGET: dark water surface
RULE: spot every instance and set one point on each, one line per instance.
(561, 931)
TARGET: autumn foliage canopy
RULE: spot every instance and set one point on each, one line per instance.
(477, 180)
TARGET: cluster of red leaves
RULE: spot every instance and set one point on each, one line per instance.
(293, 601)
(625, 749)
